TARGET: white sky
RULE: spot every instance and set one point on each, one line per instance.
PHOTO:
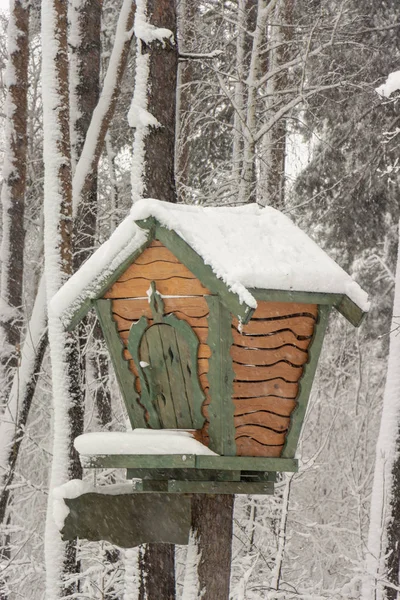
(4, 4)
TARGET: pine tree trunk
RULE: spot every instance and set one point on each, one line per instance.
(159, 175)
(13, 193)
(212, 522)
(156, 561)
(13, 227)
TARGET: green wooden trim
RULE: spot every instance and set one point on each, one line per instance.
(305, 383)
(138, 461)
(125, 377)
(293, 296)
(135, 335)
(247, 463)
(351, 311)
(187, 474)
(195, 263)
(220, 487)
(190, 461)
(341, 302)
(220, 376)
(104, 285)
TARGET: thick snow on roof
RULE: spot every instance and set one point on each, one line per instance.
(247, 247)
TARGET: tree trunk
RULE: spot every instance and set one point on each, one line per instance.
(153, 175)
(383, 550)
(67, 401)
(273, 147)
(13, 192)
(212, 522)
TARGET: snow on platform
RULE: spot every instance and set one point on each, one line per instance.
(140, 441)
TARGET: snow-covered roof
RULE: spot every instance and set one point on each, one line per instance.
(246, 247)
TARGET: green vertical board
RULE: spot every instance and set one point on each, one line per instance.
(125, 377)
(220, 376)
(306, 382)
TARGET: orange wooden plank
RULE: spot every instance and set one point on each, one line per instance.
(262, 357)
(133, 309)
(265, 419)
(281, 369)
(275, 340)
(269, 310)
(246, 446)
(300, 326)
(276, 387)
(125, 324)
(279, 406)
(135, 288)
(156, 253)
(260, 434)
(156, 271)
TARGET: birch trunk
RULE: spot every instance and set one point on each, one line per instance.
(67, 403)
(273, 146)
(383, 551)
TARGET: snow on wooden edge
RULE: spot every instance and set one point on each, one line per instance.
(140, 442)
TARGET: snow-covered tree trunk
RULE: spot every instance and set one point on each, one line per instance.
(273, 146)
(383, 550)
(13, 192)
(67, 403)
(247, 189)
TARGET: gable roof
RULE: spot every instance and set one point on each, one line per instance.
(246, 248)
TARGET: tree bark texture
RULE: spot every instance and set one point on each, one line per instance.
(13, 191)
(273, 152)
(85, 63)
(159, 176)
(157, 568)
(212, 522)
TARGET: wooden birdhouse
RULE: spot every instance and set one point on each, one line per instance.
(214, 319)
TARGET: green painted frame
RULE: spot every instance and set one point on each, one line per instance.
(220, 376)
(306, 381)
(135, 335)
(189, 461)
(125, 377)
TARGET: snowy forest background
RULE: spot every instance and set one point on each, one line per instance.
(271, 78)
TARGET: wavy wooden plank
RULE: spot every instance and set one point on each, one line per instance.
(279, 406)
(263, 435)
(156, 271)
(300, 326)
(275, 340)
(156, 253)
(125, 324)
(276, 387)
(263, 357)
(135, 308)
(281, 369)
(201, 333)
(268, 310)
(204, 352)
(175, 286)
(246, 446)
(265, 419)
